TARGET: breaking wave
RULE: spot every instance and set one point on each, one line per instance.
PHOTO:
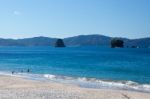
(97, 83)
(85, 82)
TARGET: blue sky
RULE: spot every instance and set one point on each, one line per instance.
(64, 18)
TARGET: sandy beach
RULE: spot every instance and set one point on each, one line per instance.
(18, 88)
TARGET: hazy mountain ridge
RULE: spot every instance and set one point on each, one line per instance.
(81, 40)
(88, 40)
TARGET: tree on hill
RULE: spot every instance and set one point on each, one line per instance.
(59, 43)
(117, 43)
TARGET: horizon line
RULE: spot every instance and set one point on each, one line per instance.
(71, 36)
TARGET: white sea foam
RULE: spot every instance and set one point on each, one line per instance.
(49, 76)
(96, 83)
(85, 82)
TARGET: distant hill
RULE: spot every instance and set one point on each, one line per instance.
(81, 40)
(88, 40)
(142, 42)
(101, 40)
(35, 41)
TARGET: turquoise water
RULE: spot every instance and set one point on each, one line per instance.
(87, 63)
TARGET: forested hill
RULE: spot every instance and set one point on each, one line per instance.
(81, 40)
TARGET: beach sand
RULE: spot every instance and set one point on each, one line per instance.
(19, 88)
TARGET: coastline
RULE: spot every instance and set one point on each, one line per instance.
(18, 88)
(84, 82)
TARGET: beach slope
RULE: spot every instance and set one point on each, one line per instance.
(19, 88)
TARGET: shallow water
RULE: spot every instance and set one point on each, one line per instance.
(125, 66)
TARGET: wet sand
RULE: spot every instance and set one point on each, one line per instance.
(19, 88)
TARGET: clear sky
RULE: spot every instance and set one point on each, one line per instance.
(64, 18)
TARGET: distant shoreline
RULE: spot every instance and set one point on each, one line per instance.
(80, 40)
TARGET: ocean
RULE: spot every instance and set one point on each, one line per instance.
(92, 67)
